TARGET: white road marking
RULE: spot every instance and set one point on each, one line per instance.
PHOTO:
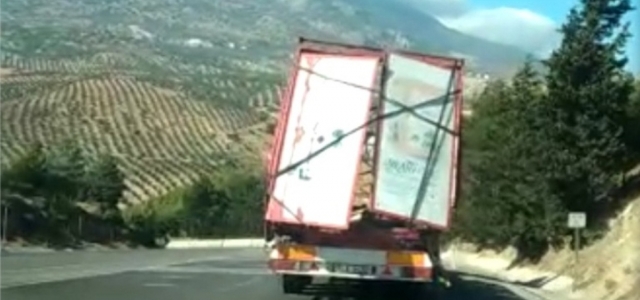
(40, 269)
(177, 277)
(212, 270)
(152, 284)
(242, 284)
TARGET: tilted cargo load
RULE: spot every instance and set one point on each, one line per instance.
(366, 131)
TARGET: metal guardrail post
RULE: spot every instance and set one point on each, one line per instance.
(5, 224)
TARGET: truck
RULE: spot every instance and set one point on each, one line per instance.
(362, 171)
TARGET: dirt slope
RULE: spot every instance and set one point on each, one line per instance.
(609, 269)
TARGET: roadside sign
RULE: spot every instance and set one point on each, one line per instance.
(577, 220)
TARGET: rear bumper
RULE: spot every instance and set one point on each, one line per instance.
(409, 266)
(321, 274)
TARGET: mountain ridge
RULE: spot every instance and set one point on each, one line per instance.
(266, 29)
(403, 15)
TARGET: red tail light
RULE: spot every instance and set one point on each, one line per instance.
(281, 264)
(413, 272)
(386, 271)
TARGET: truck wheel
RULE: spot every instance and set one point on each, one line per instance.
(439, 292)
(294, 284)
(161, 241)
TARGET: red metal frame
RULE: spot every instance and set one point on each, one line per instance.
(438, 60)
(274, 208)
(277, 138)
(458, 130)
(334, 48)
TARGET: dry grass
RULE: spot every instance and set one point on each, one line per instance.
(610, 268)
(607, 270)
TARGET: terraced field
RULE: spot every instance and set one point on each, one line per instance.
(168, 121)
(162, 137)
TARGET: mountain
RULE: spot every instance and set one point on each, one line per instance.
(425, 32)
(263, 30)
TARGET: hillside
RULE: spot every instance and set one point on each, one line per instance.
(607, 269)
(170, 87)
(161, 138)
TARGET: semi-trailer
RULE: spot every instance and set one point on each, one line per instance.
(363, 170)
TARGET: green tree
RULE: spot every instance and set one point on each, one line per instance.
(20, 182)
(244, 190)
(632, 135)
(588, 93)
(506, 200)
(206, 208)
(26, 174)
(44, 188)
(64, 185)
(227, 203)
(65, 169)
(155, 218)
(105, 184)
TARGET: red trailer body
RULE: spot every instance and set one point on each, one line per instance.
(331, 117)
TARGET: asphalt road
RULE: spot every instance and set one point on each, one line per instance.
(224, 274)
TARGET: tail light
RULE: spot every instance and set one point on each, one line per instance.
(307, 266)
(282, 264)
(386, 271)
(416, 272)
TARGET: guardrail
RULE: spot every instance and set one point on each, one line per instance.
(217, 243)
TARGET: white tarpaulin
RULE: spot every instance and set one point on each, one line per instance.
(406, 142)
(320, 190)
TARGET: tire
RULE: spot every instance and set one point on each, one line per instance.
(295, 284)
(161, 242)
(438, 292)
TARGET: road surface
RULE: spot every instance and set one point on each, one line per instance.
(214, 274)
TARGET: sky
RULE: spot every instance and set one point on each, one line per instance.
(528, 24)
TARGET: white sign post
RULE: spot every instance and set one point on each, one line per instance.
(576, 221)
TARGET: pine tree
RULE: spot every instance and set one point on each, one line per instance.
(507, 200)
(632, 134)
(482, 217)
(65, 168)
(588, 92)
(104, 183)
(26, 175)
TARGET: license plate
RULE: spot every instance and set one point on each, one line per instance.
(353, 269)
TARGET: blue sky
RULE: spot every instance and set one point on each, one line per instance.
(557, 10)
(529, 24)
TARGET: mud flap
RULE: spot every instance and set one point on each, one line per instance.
(295, 284)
